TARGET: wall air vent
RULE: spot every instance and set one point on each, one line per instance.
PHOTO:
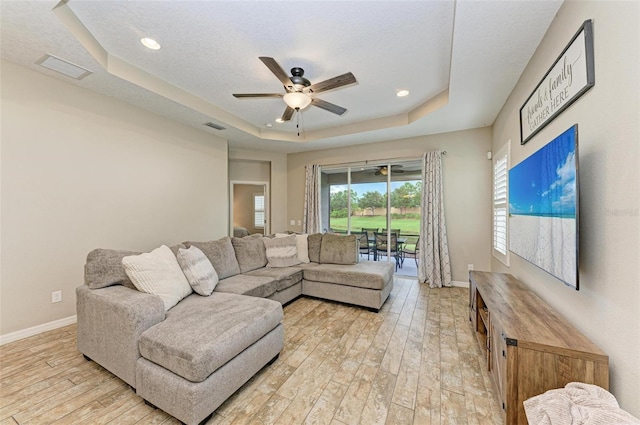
(214, 125)
(62, 66)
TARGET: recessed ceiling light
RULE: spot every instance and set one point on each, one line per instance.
(269, 125)
(150, 43)
(402, 93)
(279, 120)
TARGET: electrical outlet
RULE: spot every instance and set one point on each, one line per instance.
(470, 266)
(56, 296)
(292, 222)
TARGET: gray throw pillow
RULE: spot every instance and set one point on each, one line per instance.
(221, 255)
(198, 269)
(104, 268)
(314, 242)
(281, 252)
(339, 249)
(250, 253)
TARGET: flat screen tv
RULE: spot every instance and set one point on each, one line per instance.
(543, 208)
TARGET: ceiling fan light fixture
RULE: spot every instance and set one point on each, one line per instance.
(297, 100)
(384, 171)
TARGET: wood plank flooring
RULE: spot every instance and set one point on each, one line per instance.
(415, 362)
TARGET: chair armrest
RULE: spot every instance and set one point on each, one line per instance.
(110, 322)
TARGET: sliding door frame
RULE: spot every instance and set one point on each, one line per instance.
(388, 163)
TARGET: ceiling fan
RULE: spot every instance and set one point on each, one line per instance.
(384, 170)
(299, 92)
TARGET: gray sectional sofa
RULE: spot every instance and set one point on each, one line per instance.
(190, 358)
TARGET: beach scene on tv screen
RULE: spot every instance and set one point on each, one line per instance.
(542, 208)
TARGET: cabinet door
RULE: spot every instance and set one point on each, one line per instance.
(498, 364)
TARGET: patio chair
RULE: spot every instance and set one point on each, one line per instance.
(410, 248)
(381, 246)
(365, 247)
(371, 231)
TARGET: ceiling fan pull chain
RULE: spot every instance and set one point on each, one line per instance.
(300, 117)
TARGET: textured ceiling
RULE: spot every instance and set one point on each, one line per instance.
(460, 60)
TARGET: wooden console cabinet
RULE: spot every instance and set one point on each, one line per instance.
(528, 347)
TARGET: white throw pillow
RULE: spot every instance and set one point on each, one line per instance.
(158, 272)
(302, 245)
(198, 269)
(281, 252)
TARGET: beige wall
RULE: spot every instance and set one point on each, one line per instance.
(467, 191)
(278, 182)
(607, 306)
(81, 170)
(249, 170)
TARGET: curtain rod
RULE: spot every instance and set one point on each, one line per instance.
(375, 161)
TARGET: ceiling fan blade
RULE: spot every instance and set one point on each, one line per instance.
(339, 110)
(332, 83)
(244, 95)
(277, 71)
(377, 173)
(288, 113)
(396, 171)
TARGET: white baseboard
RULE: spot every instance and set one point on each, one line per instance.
(460, 284)
(25, 333)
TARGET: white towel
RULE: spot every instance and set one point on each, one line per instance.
(577, 404)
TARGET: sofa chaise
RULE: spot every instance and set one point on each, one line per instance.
(188, 358)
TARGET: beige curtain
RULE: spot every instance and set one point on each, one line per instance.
(311, 218)
(433, 261)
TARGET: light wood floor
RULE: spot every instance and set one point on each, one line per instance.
(416, 361)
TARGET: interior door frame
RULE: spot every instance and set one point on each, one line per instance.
(267, 203)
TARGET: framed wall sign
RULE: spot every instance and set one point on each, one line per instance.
(570, 76)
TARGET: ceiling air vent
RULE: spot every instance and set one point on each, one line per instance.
(214, 125)
(62, 66)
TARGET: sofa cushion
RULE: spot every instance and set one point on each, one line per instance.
(302, 245)
(339, 249)
(284, 276)
(221, 255)
(158, 273)
(198, 270)
(367, 274)
(281, 252)
(314, 242)
(250, 253)
(244, 284)
(201, 334)
(104, 268)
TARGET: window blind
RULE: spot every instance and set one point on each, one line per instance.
(500, 205)
(258, 211)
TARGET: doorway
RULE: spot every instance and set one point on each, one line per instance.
(249, 208)
(376, 197)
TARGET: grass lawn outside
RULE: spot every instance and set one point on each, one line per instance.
(407, 226)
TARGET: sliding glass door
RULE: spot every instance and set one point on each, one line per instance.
(380, 197)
